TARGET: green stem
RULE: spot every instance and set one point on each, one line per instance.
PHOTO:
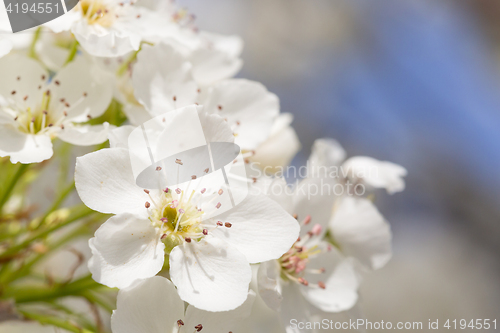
(78, 213)
(54, 321)
(72, 53)
(26, 267)
(8, 191)
(57, 203)
(32, 49)
(29, 294)
(91, 297)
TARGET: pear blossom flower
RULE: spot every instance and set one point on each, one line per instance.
(208, 257)
(328, 153)
(163, 80)
(355, 224)
(312, 273)
(153, 306)
(111, 28)
(35, 108)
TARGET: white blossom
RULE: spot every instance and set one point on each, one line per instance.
(153, 306)
(209, 257)
(35, 108)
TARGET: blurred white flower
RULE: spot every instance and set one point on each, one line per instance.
(35, 108)
(209, 258)
(153, 306)
(328, 155)
(312, 272)
(356, 225)
(111, 28)
(163, 80)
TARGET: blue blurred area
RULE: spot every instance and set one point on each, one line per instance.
(424, 83)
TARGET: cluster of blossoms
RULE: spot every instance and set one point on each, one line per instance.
(184, 256)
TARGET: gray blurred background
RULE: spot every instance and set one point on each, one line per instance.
(415, 82)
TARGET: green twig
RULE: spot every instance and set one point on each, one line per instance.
(54, 321)
(10, 187)
(32, 49)
(78, 213)
(72, 52)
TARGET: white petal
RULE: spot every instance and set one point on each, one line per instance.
(63, 22)
(21, 77)
(341, 284)
(269, 282)
(118, 137)
(248, 107)
(211, 65)
(151, 305)
(326, 156)
(362, 232)
(105, 182)
(136, 114)
(294, 306)
(216, 322)
(104, 42)
(161, 75)
(261, 229)
(36, 148)
(85, 135)
(314, 197)
(89, 95)
(210, 274)
(279, 149)
(125, 248)
(376, 173)
(5, 47)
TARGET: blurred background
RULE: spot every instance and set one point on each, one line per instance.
(415, 82)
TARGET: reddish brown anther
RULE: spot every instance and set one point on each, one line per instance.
(187, 239)
(219, 223)
(147, 204)
(158, 168)
(303, 281)
(198, 327)
(220, 192)
(205, 232)
(163, 236)
(219, 107)
(206, 170)
(146, 191)
(321, 285)
(13, 92)
(228, 225)
(57, 82)
(180, 322)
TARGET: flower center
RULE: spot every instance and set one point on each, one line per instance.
(178, 218)
(96, 12)
(34, 120)
(294, 262)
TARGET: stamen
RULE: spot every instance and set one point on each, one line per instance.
(158, 168)
(228, 225)
(220, 192)
(303, 281)
(203, 190)
(180, 322)
(321, 285)
(187, 239)
(198, 327)
(218, 205)
(205, 232)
